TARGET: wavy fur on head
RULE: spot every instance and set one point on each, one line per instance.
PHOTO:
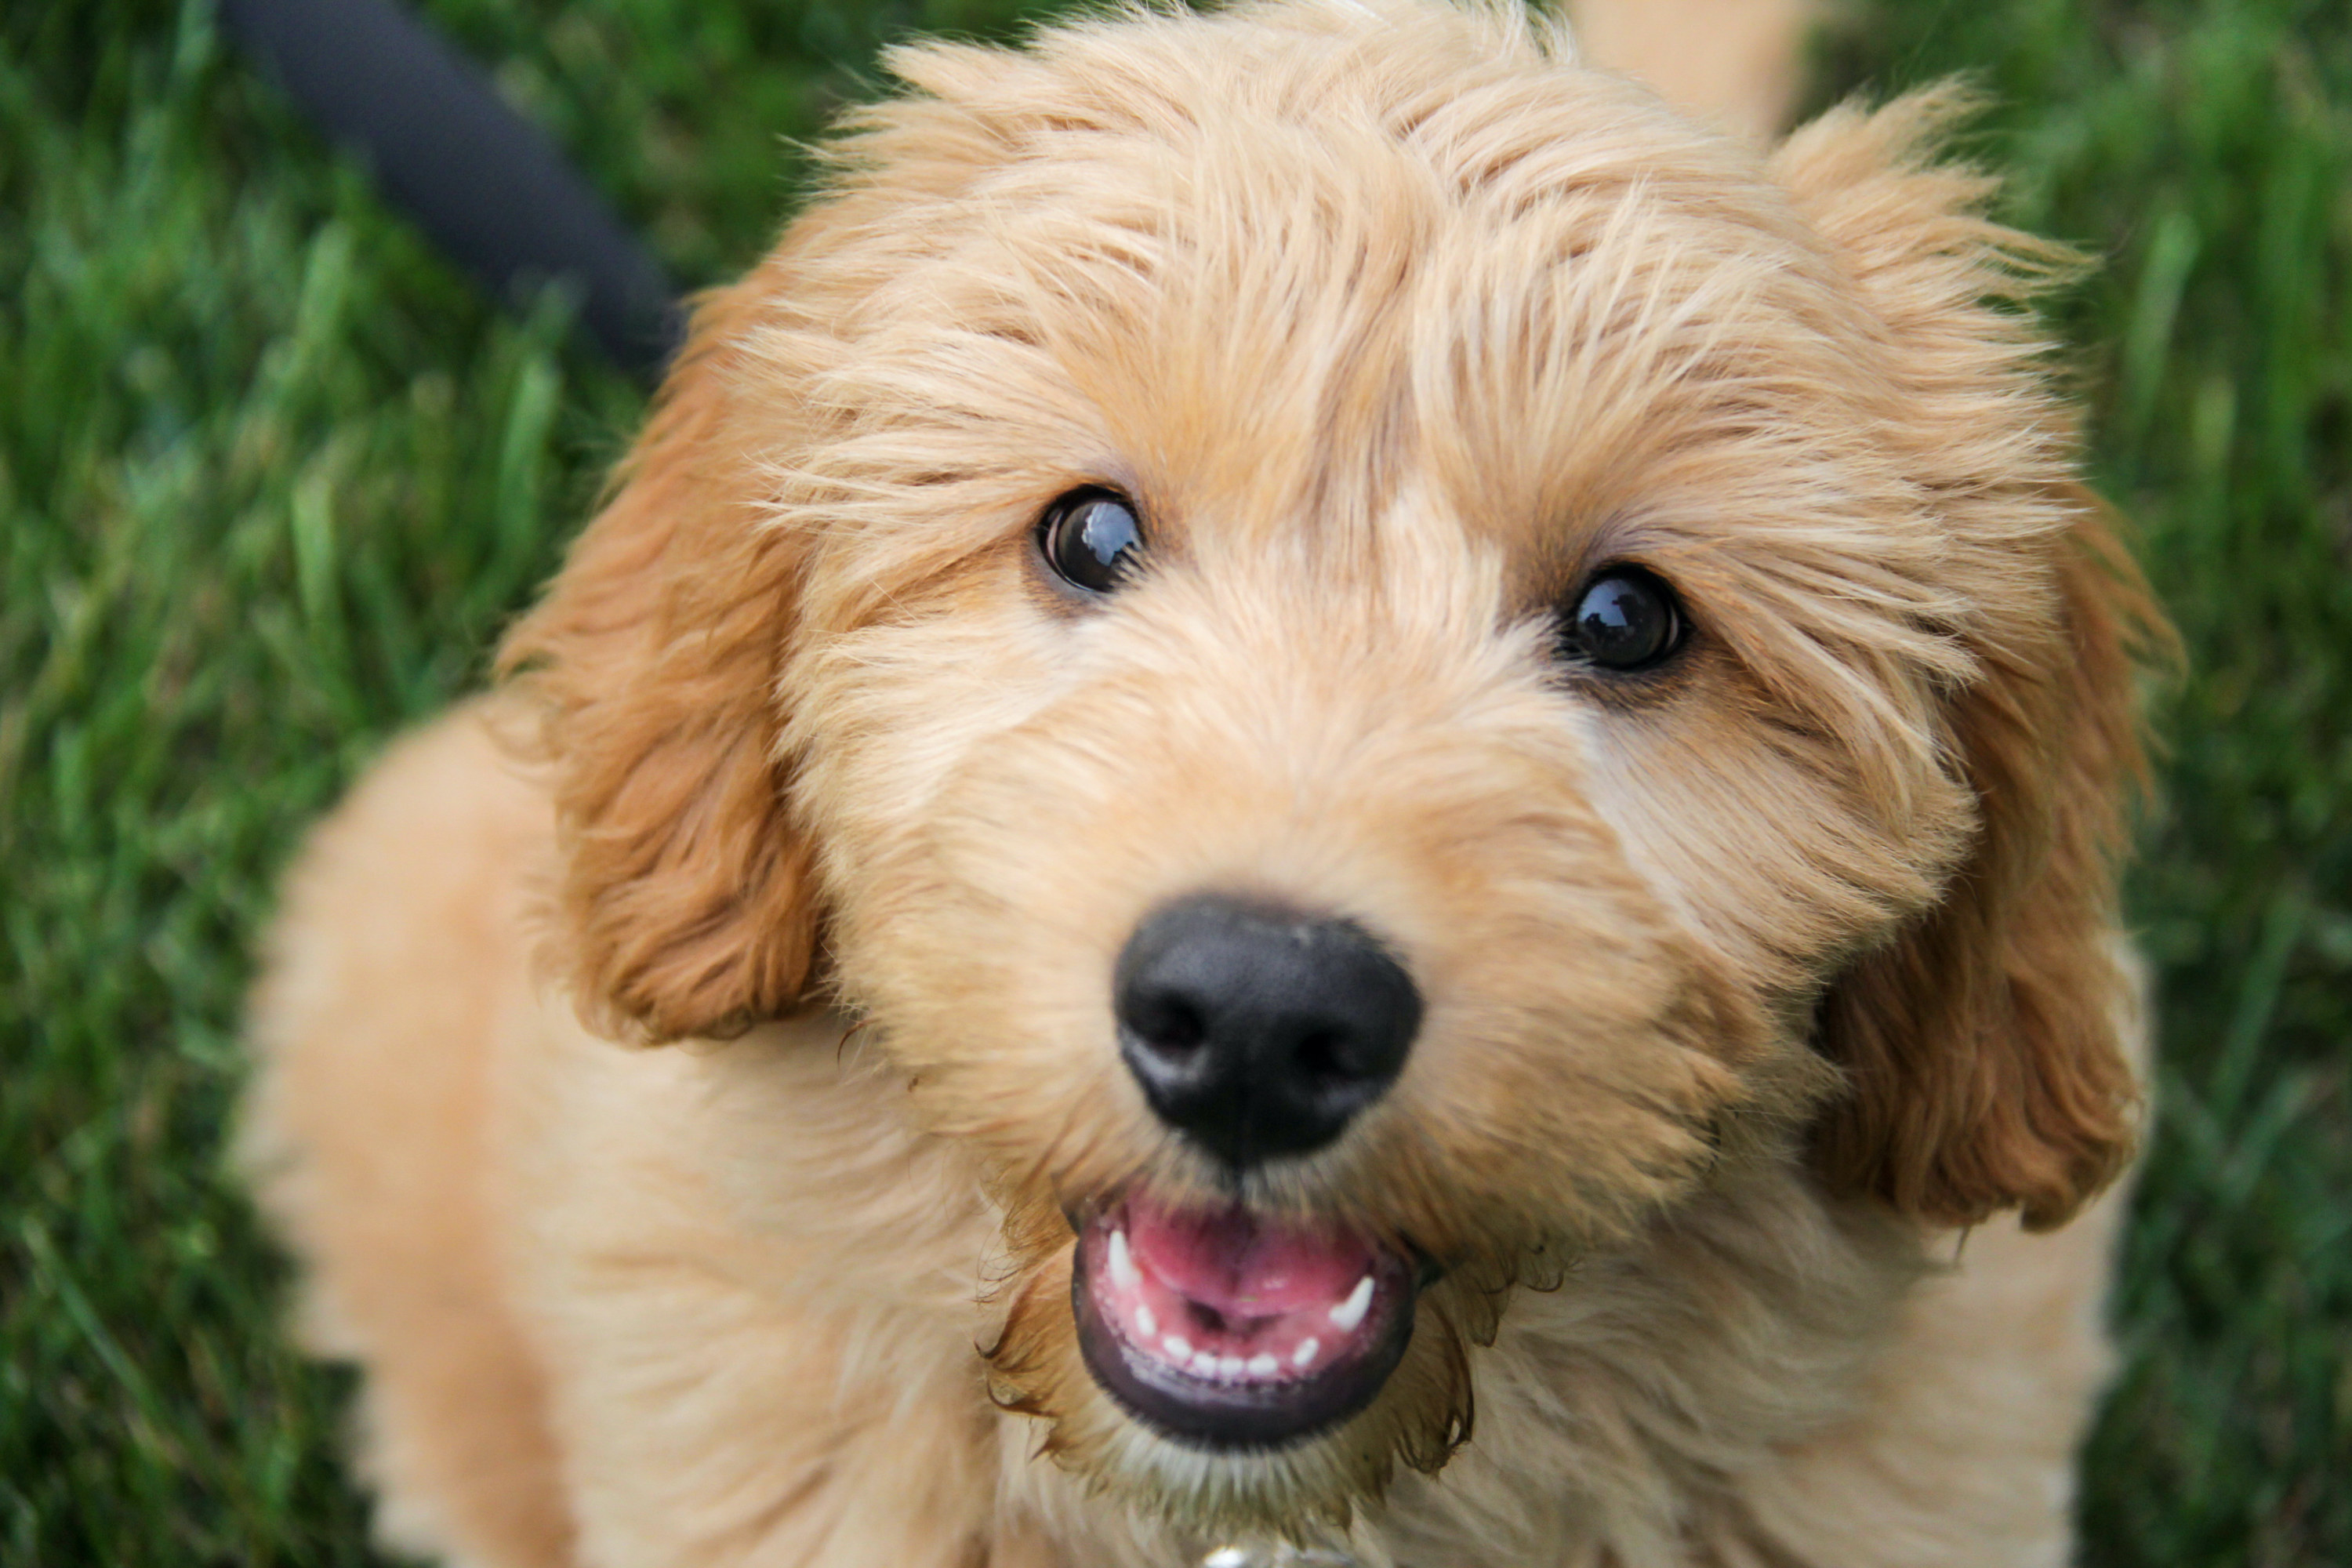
(1745, 977)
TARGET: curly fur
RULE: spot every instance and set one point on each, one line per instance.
(1746, 983)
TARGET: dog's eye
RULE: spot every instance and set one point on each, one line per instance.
(1622, 618)
(1091, 539)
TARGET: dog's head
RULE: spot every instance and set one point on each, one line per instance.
(1373, 660)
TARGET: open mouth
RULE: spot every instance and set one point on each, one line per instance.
(1225, 1329)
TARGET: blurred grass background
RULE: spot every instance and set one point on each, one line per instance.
(271, 477)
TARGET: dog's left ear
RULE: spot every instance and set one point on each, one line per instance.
(685, 897)
(1982, 1044)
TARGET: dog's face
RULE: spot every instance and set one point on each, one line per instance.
(1372, 661)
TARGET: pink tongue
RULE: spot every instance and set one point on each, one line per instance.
(1241, 1264)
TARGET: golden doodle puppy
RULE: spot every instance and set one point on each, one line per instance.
(1322, 795)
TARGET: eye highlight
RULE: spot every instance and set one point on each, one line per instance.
(1091, 538)
(1623, 619)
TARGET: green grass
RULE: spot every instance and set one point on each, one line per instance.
(270, 478)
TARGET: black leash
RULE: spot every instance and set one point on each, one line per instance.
(486, 185)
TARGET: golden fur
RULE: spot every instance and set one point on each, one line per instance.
(1746, 984)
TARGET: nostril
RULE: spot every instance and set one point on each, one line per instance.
(1171, 1025)
(1320, 1060)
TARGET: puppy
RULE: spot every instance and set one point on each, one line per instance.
(1363, 797)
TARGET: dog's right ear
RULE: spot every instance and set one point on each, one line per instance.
(685, 893)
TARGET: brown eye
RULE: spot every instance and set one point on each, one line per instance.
(1091, 539)
(1623, 618)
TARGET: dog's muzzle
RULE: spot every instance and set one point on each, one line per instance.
(1255, 1034)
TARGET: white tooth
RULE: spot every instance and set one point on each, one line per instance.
(1350, 1312)
(1177, 1345)
(1263, 1366)
(1229, 1367)
(1204, 1364)
(1306, 1351)
(1123, 1272)
(1146, 1324)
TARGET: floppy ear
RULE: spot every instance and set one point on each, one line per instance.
(1983, 1048)
(685, 894)
(1982, 1044)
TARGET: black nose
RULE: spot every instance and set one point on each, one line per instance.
(1255, 1031)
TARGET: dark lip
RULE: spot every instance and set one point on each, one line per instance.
(1220, 1418)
